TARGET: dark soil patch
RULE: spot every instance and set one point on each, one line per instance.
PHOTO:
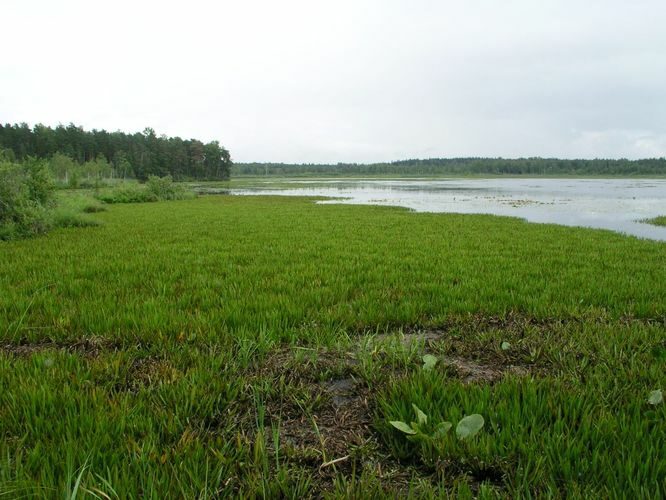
(331, 413)
(509, 322)
(332, 434)
(298, 364)
(90, 347)
(470, 371)
(514, 323)
(331, 430)
(470, 360)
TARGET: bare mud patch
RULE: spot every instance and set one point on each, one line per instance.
(410, 339)
(468, 359)
(469, 371)
(90, 347)
(326, 412)
(325, 417)
(330, 431)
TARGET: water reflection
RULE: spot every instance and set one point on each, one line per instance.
(615, 204)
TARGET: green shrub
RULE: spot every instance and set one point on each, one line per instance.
(26, 198)
(155, 189)
(64, 169)
(28, 204)
(41, 187)
(163, 187)
(127, 194)
(73, 181)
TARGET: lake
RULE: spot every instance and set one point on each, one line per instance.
(614, 204)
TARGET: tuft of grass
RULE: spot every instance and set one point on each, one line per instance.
(65, 218)
(657, 221)
(94, 208)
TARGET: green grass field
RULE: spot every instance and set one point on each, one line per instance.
(259, 347)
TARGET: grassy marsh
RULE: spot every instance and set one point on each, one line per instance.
(258, 347)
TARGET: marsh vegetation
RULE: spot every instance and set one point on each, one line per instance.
(657, 221)
(261, 346)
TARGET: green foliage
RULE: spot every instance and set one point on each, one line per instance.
(429, 362)
(69, 218)
(544, 431)
(65, 170)
(94, 207)
(155, 189)
(28, 204)
(78, 156)
(421, 418)
(403, 427)
(163, 188)
(129, 193)
(468, 427)
(656, 397)
(39, 182)
(7, 155)
(26, 197)
(73, 181)
(95, 172)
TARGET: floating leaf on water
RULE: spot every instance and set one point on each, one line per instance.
(402, 427)
(505, 346)
(469, 426)
(429, 362)
(442, 429)
(421, 417)
(656, 397)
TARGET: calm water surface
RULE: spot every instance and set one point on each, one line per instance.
(615, 204)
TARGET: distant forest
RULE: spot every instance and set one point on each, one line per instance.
(74, 151)
(75, 154)
(463, 166)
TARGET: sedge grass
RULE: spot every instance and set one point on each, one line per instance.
(185, 301)
(657, 221)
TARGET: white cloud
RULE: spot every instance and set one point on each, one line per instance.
(621, 143)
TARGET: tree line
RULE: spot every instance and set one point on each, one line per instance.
(464, 166)
(115, 154)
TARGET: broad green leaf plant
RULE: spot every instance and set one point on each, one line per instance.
(467, 427)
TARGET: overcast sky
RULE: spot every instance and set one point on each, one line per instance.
(357, 80)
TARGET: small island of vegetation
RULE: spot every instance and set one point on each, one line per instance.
(657, 221)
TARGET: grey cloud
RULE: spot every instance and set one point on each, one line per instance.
(349, 80)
